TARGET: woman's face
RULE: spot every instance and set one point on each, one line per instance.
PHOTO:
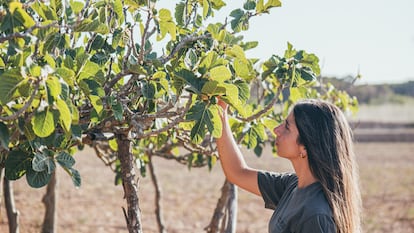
(286, 139)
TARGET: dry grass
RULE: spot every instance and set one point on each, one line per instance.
(189, 197)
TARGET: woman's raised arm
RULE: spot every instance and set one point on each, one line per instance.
(231, 158)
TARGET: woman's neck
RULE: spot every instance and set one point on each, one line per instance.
(303, 172)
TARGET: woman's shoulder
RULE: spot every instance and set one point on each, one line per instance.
(314, 200)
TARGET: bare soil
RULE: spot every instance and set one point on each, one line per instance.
(190, 196)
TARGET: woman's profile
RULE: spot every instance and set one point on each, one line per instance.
(322, 195)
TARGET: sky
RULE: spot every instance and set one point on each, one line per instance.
(373, 38)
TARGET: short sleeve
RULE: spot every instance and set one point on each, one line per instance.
(318, 224)
(272, 186)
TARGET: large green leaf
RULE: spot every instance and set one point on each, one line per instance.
(43, 123)
(220, 73)
(54, 88)
(117, 6)
(17, 163)
(179, 13)
(43, 162)
(4, 136)
(198, 113)
(213, 122)
(255, 134)
(89, 70)
(118, 111)
(243, 90)
(189, 77)
(65, 116)
(37, 179)
(76, 6)
(65, 160)
(210, 60)
(9, 81)
(20, 15)
(166, 25)
(211, 88)
(97, 104)
(204, 115)
(76, 178)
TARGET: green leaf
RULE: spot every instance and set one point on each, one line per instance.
(210, 60)
(236, 52)
(76, 178)
(4, 136)
(2, 65)
(198, 113)
(113, 144)
(256, 133)
(76, 6)
(91, 87)
(190, 78)
(260, 6)
(272, 3)
(89, 70)
(307, 75)
(43, 123)
(166, 25)
(96, 103)
(16, 164)
(54, 88)
(206, 8)
(249, 5)
(9, 81)
(243, 90)
(43, 162)
(37, 179)
(149, 89)
(213, 121)
(179, 13)
(249, 45)
(65, 160)
(213, 88)
(220, 73)
(117, 6)
(238, 19)
(118, 111)
(20, 15)
(65, 116)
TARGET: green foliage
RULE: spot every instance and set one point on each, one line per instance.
(73, 75)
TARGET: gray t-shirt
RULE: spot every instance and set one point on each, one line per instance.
(296, 209)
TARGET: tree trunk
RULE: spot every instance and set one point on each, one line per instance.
(50, 202)
(231, 209)
(132, 214)
(12, 213)
(1, 189)
(225, 215)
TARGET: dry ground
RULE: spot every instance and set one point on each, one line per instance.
(189, 197)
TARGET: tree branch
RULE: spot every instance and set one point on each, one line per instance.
(26, 33)
(181, 44)
(178, 119)
(16, 114)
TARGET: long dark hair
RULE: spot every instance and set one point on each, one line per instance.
(327, 137)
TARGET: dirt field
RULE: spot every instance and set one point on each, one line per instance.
(189, 197)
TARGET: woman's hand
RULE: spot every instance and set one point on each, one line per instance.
(222, 104)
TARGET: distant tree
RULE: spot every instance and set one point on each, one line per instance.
(86, 73)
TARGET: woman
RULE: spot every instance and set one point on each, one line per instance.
(323, 194)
